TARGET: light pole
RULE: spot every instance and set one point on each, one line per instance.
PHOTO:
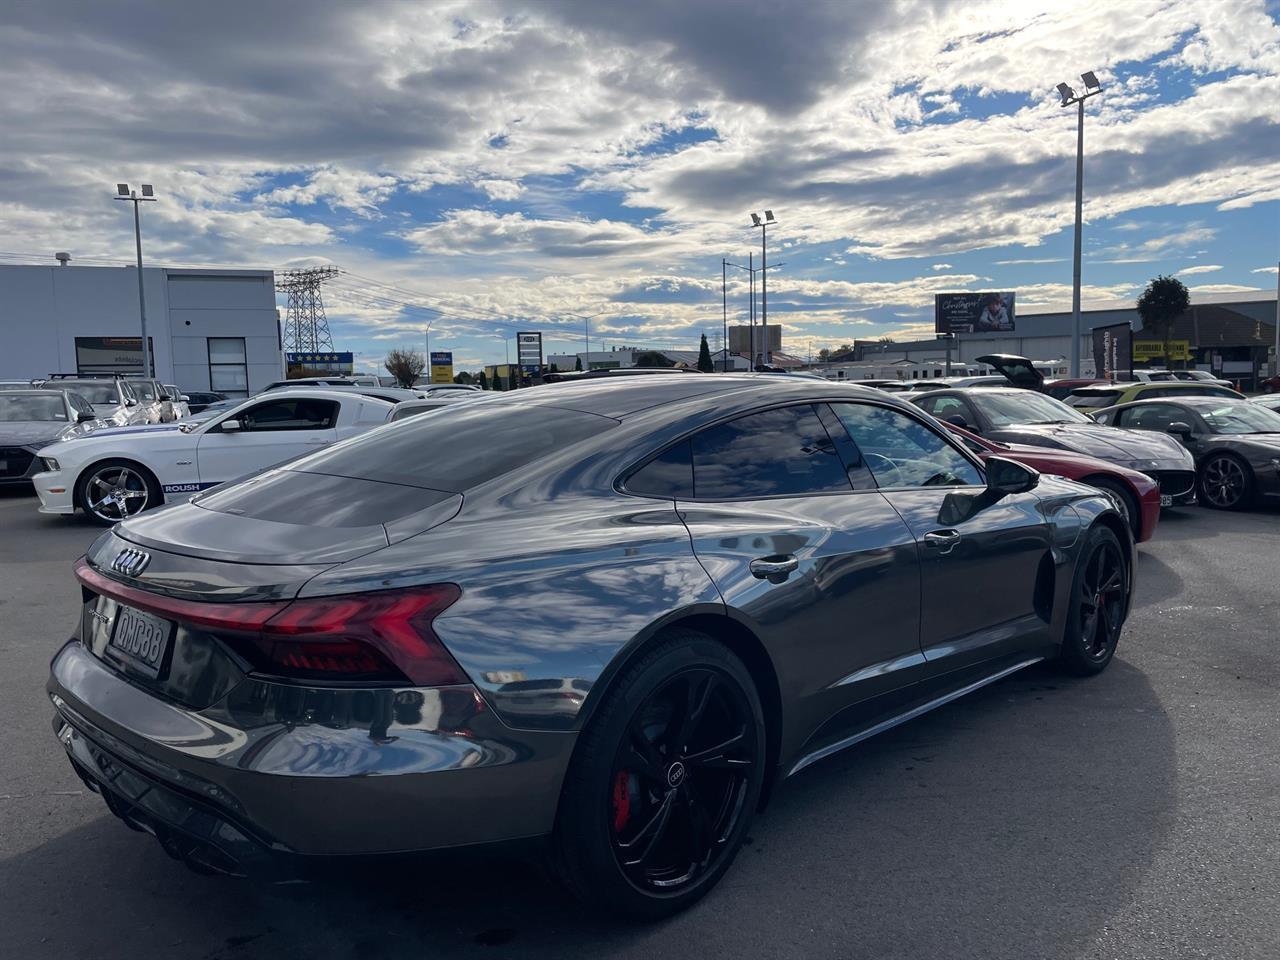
(148, 194)
(764, 279)
(1069, 96)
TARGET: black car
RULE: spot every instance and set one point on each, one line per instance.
(197, 400)
(613, 614)
(34, 418)
(1013, 415)
(1236, 443)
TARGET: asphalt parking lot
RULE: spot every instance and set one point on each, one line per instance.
(1135, 815)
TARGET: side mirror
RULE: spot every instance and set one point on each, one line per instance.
(956, 420)
(183, 398)
(1006, 476)
(229, 426)
(83, 417)
(130, 402)
(1179, 429)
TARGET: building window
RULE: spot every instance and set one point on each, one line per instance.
(228, 370)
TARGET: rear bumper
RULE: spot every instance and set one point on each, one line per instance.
(306, 771)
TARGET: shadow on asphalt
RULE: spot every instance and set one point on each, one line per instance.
(1027, 810)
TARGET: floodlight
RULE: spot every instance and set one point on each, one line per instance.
(768, 215)
(1090, 80)
(122, 189)
(755, 219)
(1065, 92)
(148, 190)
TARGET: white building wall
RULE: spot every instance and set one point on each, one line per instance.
(44, 309)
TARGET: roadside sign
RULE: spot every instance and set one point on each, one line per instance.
(442, 366)
(1154, 350)
(529, 350)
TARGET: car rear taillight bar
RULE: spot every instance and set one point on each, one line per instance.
(382, 635)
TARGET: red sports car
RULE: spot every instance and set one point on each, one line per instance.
(1137, 494)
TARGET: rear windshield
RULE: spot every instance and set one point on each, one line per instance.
(308, 500)
(1103, 398)
(458, 449)
(93, 392)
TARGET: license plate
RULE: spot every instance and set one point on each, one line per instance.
(1166, 500)
(141, 639)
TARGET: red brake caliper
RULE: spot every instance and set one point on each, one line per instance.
(621, 801)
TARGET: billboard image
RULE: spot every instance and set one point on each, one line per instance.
(973, 312)
(442, 366)
(1112, 350)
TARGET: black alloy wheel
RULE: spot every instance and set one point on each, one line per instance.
(1124, 499)
(681, 778)
(664, 781)
(1225, 482)
(1099, 604)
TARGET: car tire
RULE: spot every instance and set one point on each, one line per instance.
(1098, 604)
(143, 490)
(664, 780)
(1226, 482)
(1128, 503)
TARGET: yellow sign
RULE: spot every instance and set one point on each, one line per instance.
(1154, 350)
(442, 366)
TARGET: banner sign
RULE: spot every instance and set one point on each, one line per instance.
(322, 357)
(973, 312)
(442, 366)
(1112, 350)
(529, 350)
(1154, 350)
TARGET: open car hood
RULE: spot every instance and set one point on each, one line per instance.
(1017, 370)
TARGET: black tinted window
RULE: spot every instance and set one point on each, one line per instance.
(461, 449)
(668, 475)
(772, 453)
(298, 413)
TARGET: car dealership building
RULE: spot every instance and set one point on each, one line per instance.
(209, 329)
(1230, 334)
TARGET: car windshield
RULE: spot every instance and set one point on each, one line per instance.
(1241, 418)
(1095, 399)
(90, 390)
(16, 408)
(1006, 409)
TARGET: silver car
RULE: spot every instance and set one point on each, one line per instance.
(113, 399)
(615, 614)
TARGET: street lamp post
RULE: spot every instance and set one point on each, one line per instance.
(764, 280)
(148, 194)
(1069, 96)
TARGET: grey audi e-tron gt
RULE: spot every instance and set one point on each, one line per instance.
(613, 614)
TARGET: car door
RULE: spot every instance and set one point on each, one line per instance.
(984, 564)
(806, 551)
(268, 432)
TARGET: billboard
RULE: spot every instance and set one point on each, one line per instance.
(1154, 350)
(442, 366)
(529, 350)
(319, 363)
(1112, 350)
(973, 312)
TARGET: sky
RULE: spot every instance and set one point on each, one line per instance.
(478, 168)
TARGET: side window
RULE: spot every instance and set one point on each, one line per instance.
(902, 452)
(1151, 416)
(292, 414)
(668, 475)
(943, 407)
(767, 454)
(128, 391)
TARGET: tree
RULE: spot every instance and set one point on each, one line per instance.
(653, 358)
(704, 356)
(405, 365)
(1164, 300)
(824, 355)
(464, 376)
(482, 381)
(577, 363)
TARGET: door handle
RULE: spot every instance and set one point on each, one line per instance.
(943, 540)
(774, 569)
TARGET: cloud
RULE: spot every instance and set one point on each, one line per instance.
(941, 266)
(1006, 263)
(1264, 270)
(1202, 268)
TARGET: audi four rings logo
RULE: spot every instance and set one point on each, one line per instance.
(130, 562)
